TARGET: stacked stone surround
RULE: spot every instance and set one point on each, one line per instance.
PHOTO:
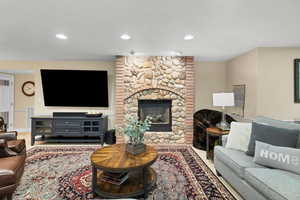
(157, 77)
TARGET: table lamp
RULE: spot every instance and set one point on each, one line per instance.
(223, 99)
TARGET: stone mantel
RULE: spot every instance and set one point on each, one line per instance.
(157, 77)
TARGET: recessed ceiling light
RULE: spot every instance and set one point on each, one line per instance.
(132, 52)
(61, 36)
(125, 37)
(188, 37)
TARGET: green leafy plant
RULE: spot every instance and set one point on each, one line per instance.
(135, 129)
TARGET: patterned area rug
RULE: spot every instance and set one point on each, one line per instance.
(64, 172)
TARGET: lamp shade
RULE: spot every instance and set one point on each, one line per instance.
(223, 99)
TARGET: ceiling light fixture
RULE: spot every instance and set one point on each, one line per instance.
(61, 36)
(188, 37)
(125, 37)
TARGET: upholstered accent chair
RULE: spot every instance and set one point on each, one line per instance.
(3, 125)
(11, 169)
(203, 119)
(17, 146)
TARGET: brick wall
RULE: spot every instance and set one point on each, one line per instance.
(119, 107)
(189, 99)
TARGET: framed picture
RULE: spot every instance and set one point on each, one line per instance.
(239, 99)
(296, 81)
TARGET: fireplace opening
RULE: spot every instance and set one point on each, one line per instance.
(160, 112)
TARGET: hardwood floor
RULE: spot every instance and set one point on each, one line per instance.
(201, 153)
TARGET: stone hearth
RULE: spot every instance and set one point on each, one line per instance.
(140, 79)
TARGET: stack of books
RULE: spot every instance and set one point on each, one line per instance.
(115, 178)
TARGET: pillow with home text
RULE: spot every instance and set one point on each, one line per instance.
(277, 157)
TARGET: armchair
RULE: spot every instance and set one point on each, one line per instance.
(13, 143)
(3, 125)
(8, 135)
(203, 119)
(4, 150)
(11, 170)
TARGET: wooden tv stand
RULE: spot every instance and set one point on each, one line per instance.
(69, 129)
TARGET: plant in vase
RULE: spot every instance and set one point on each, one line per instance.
(135, 130)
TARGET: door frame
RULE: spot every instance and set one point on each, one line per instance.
(11, 79)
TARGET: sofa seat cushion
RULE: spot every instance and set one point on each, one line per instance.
(11, 169)
(236, 160)
(16, 145)
(274, 183)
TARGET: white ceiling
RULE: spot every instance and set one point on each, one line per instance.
(222, 28)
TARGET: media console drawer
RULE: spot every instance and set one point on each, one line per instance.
(64, 123)
(67, 130)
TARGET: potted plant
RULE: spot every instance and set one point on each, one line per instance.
(135, 130)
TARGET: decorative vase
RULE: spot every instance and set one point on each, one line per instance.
(135, 149)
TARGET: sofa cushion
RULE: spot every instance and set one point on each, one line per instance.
(11, 169)
(277, 157)
(274, 183)
(236, 160)
(272, 135)
(279, 124)
(239, 136)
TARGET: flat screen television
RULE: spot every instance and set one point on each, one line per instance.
(75, 88)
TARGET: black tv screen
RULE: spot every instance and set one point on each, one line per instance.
(75, 88)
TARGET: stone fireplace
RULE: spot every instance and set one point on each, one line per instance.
(160, 112)
(161, 87)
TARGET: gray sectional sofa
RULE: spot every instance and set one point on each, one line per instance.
(256, 182)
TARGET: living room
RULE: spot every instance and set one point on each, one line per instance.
(205, 111)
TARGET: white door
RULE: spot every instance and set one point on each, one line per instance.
(7, 99)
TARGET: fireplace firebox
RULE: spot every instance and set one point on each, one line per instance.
(160, 111)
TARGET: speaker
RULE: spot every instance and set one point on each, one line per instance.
(110, 137)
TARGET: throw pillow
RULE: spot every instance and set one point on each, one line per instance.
(239, 136)
(271, 135)
(277, 157)
(279, 124)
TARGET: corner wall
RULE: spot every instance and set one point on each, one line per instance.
(269, 77)
(276, 83)
(210, 77)
(244, 70)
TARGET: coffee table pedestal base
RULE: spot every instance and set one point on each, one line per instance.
(134, 186)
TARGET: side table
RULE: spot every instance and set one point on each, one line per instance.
(213, 132)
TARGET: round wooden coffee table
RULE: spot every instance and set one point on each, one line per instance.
(114, 159)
